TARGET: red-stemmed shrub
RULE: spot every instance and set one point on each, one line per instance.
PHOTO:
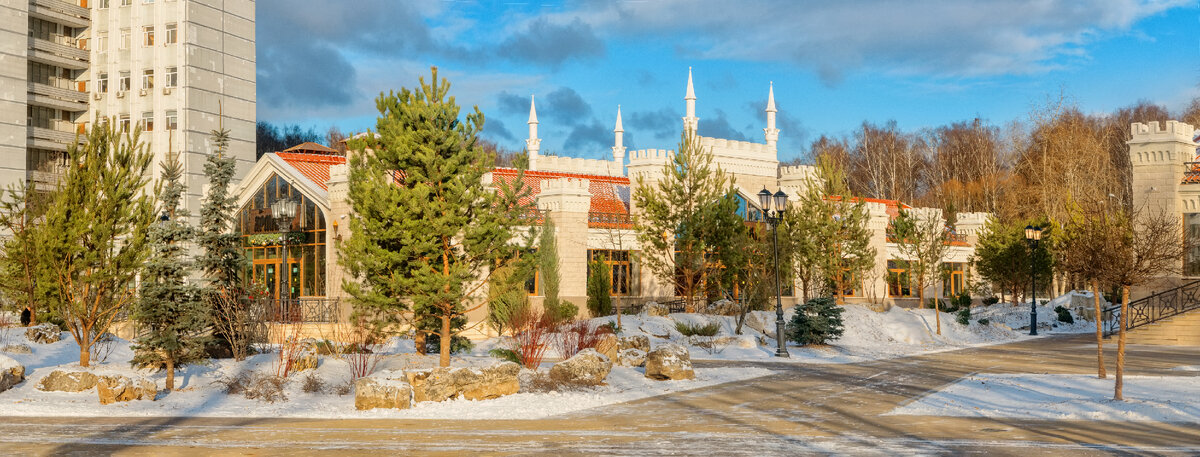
(573, 337)
(531, 336)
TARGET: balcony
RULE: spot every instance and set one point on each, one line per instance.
(45, 178)
(58, 98)
(62, 12)
(54, 139)
(60, 55)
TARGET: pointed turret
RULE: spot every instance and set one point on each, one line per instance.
(533, 143)
(618, 149)
(690, 121)
(771, 133)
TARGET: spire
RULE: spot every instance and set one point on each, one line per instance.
(533, 143)
(771, 133)
(618, 149)
(690, 121)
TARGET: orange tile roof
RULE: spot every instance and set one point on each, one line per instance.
(610, 194)
(313, 166)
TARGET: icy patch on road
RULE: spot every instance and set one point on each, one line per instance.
(1064, 397)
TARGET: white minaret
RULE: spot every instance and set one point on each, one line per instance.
(533, 143)
(771, 133)
(690, 121)
(619, 141)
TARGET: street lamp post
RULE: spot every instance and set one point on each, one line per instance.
(284, 212)
(1032, 236)
(773, 217)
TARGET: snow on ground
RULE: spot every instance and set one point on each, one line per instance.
(1061, 397)
(868, 335)
(1187, 368)
(199, 395)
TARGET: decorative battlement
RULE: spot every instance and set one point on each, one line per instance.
(734, 146)
(577, 165)
(565, 195)
(566, 185)
(339, 172)
(971, 223)
(651, 155)
(1153, 133)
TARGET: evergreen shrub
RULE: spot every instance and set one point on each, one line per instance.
(989, 301)
(709, 329)
(1064, 315)
(815, 322)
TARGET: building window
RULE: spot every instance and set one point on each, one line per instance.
(123, 84)
(102, 42)
(148, 35)
(306, 250)
(172, 33)
(102, 83)
(172, 77)
(172, 120)
(1191, 240)
(125, 38)
(126, 2)
(850, 284)
(147, 2)
(147, 79)
(953, 279)
(102, 4)
(619, 268)
(124, 123)
(899, 281)
(148, 121)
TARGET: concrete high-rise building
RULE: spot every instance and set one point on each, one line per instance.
(177, 68)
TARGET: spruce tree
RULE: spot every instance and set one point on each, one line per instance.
(95, 239)
(427, 232)
(171, 311)
(557, 309)
(816, 322)
(222, 259)
(599, 287)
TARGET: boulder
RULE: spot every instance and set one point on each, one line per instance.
(723, 308)
(588, 367)
(441, 384)
(669, 362)
(43, 333)
(112, 389)
(379, 392)
(631, 357)
(17, 349)
(654, 309)
(709, 342)
(11, 373)
(67, 380)
(306, 361)
(640, 342)
(608, 346)
(762, 322)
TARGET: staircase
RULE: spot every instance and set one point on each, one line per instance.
(1169, 317)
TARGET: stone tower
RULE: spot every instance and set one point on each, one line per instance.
(1160, 156)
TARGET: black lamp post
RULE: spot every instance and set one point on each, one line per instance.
(284, 212)
(773, 217)
(1032, 236)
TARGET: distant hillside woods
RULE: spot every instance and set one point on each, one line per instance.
(273, 138)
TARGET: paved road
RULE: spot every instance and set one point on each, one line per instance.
(804, 409)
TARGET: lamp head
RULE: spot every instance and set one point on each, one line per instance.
(781, 201)
(764, 199)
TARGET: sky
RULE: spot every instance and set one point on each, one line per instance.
(834, 65)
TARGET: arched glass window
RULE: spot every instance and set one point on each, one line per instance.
(262, 236)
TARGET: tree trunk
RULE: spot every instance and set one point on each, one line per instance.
(1099, 330)
(419, 342)
(444, 352)
(937, 310)
(1120, 384)
(85, 350)
(170, 374)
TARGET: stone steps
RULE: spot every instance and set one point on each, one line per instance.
(1181, 330)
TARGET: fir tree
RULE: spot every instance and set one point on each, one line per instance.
(95, 239)
(557, 309)
(172, 313)
(222, 259)
(816, 321)
(427, 232)
(599, 287)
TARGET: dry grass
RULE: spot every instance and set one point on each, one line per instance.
(312, 384)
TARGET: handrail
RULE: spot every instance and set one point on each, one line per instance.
(1156, 307)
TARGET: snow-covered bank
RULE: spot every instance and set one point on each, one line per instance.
(1062, 397)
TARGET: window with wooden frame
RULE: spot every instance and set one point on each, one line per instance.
(953, 279)
(620, 269)
(899, 280)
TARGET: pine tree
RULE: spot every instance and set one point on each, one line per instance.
(427, 232)
(23, 278)
(923, 242)
(222, 259)
(688, 220)
(599, 287)
(1002, 256)
(172, 313)
(95, 240)
(839, 223)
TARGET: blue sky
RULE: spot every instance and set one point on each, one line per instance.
(922, 63)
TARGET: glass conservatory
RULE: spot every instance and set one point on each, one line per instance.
(264, 235)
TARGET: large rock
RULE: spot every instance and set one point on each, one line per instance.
(588, 367)
(381, 392)
(441, 384)
(669, 362)
(656, 309)
(112, 389)
(11, 373)
(762, 322)
(608, 346)
(723, 308)
(631, 357)
(43, 333)
(67, 380)
(640, 342)
(17, 349)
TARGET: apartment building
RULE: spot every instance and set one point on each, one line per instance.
(177, 68)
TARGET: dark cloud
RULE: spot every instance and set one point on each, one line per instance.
(664, 124)
(285, 78)
(564, 106)
(718, 127)
(511, 103)
(645, 78)
(546, 43)
(586, 139)
(495, 129)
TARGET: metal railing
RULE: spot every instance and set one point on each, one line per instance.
(609, 220)
(60, 50)
(59, 93)
(1156, 307)
(297, 310)
(57, 135)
